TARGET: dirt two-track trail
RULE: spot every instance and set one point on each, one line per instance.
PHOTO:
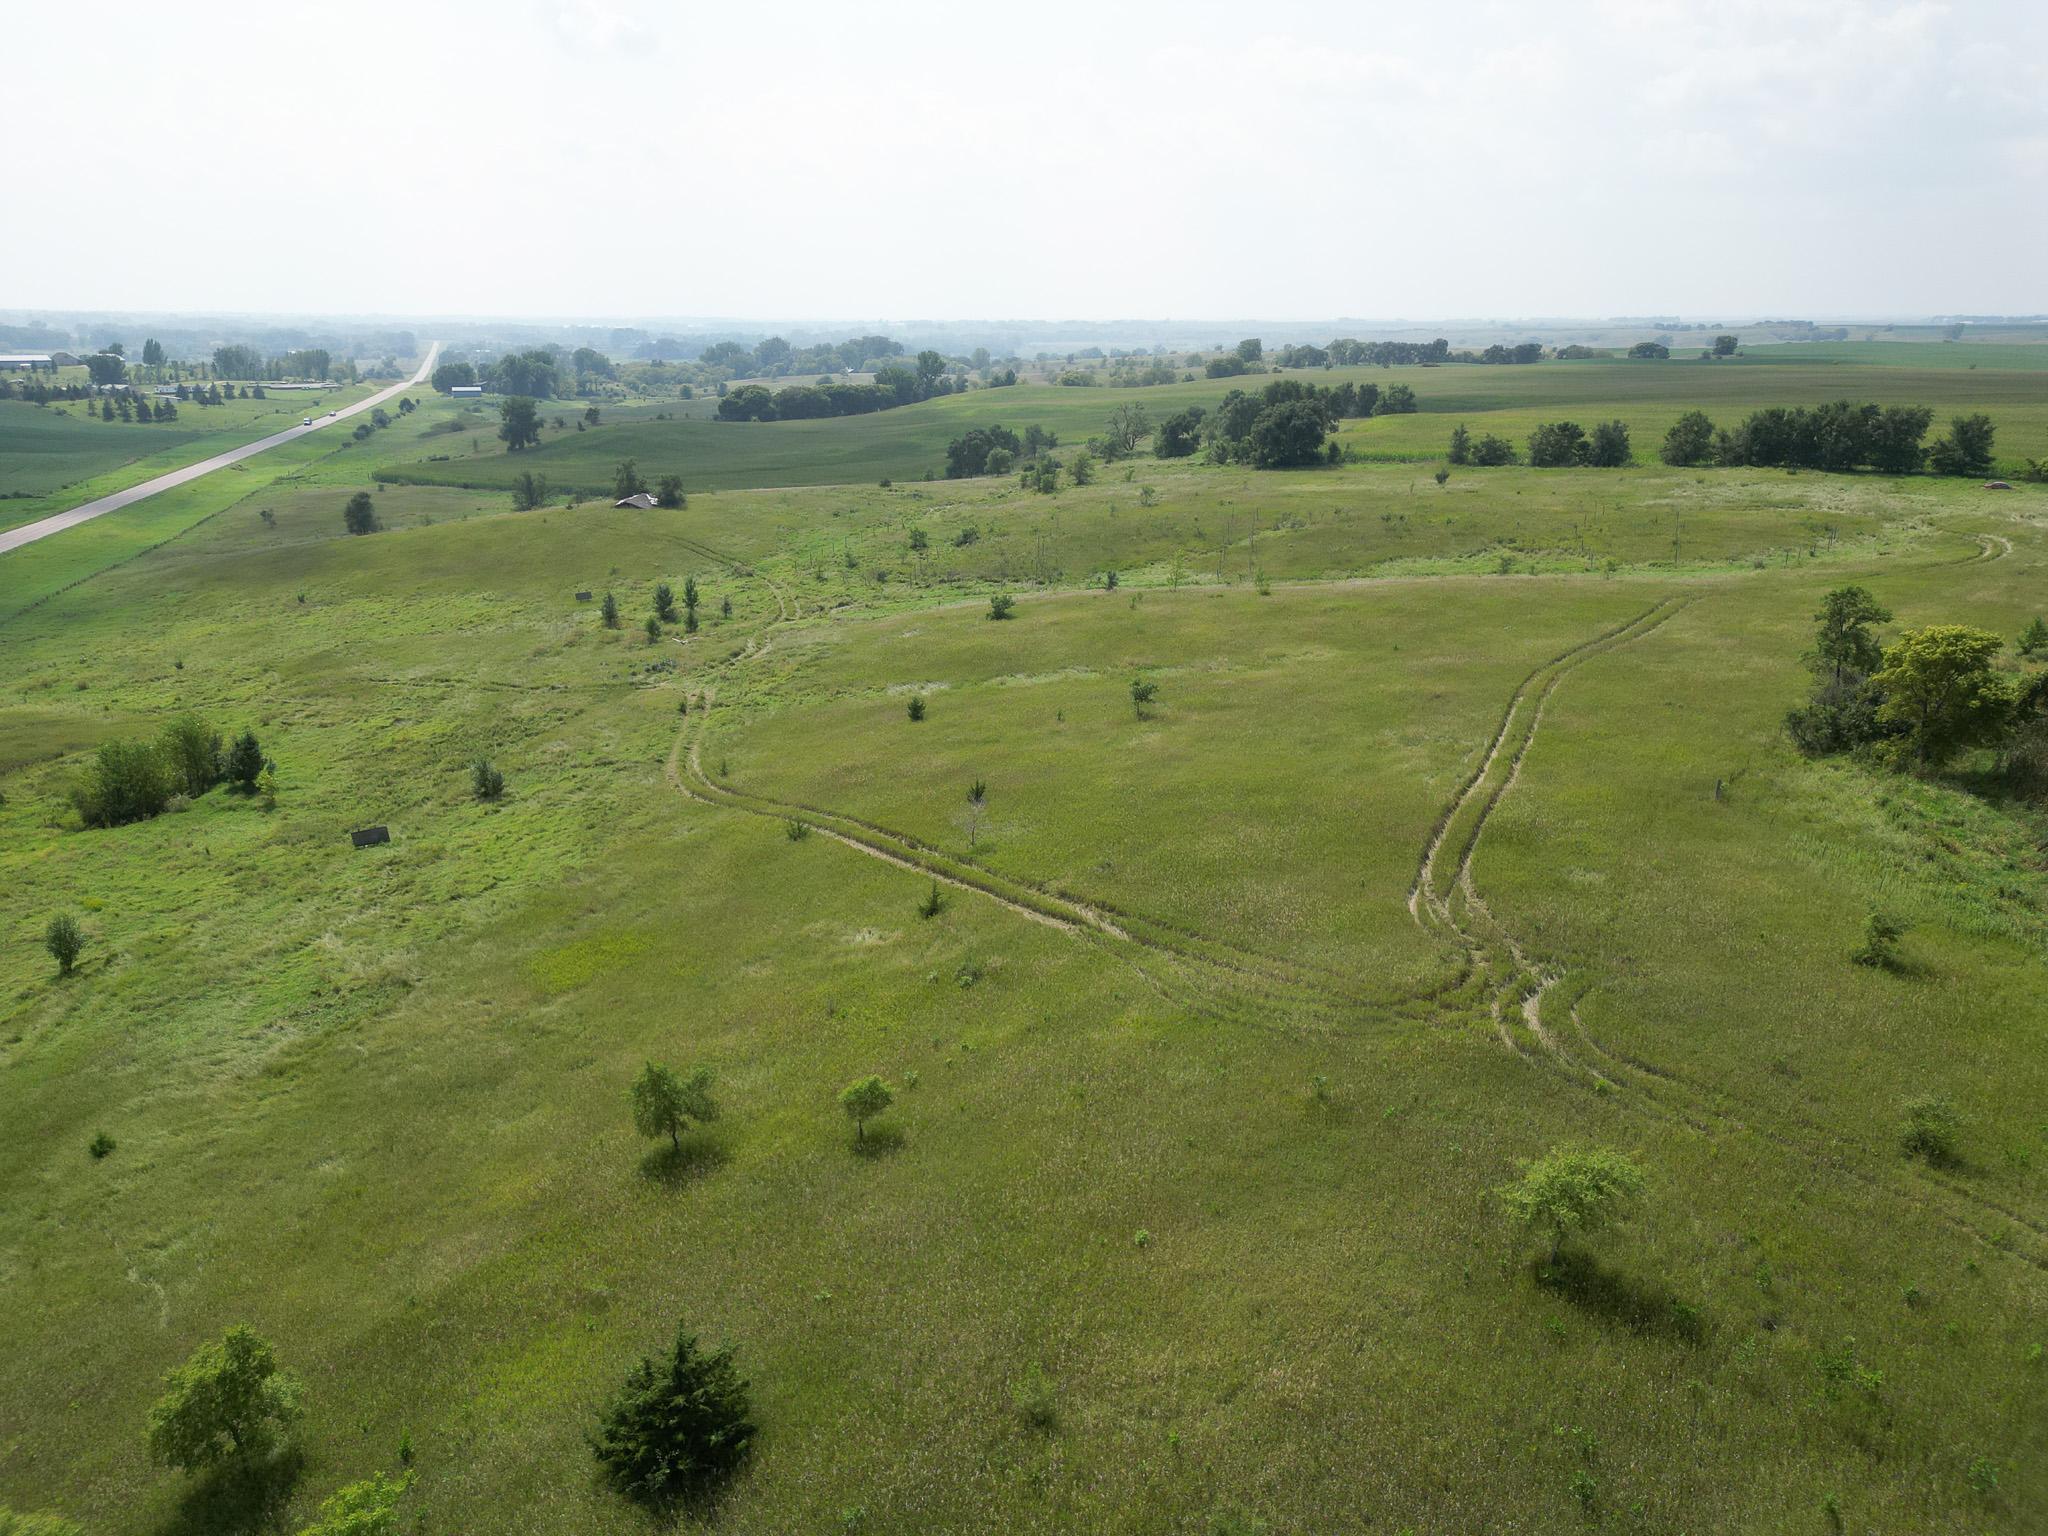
(1496, 980)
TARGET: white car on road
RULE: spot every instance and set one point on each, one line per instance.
(307, 422)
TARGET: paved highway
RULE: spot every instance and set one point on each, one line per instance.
(28, 533)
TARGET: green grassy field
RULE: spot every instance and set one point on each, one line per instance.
(1463, 826)
(909, 443)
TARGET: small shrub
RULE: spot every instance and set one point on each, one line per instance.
(932, 904)
(1442, 474)
(1842, 1370)
(609, 611)
(102, 1145)
(1932, 1131)
(485, 781)
(1037, 1405)
(1002, 606)
(916, 708)
(1880, 946)
(64, 939)
(653, 629)
(796, 829)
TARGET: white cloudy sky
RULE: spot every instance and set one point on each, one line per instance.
(1287, 158)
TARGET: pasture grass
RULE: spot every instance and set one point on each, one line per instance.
(374, 1102)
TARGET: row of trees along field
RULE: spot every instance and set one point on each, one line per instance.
(242, 362)
(1841, 436)
(1286, 424)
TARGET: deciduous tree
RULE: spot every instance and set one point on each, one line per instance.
(863, 1101)
(1572, 1191)
(665, 1105)
(228, 1402)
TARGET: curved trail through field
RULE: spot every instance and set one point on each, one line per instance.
(1207, 975)
(1443, 898)
(1446, 895)
(57, 522)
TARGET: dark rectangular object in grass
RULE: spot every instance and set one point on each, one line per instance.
(370, 837)
(582, 597)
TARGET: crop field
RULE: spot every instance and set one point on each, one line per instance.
(909, 443)
(1461, 824)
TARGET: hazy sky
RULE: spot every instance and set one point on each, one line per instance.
(870, 158)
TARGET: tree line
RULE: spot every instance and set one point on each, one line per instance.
(1552, 445)
(1840, 436)
(244, 362)
(925, 378)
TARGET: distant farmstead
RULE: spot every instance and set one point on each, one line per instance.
(467, 391)
(27, 362)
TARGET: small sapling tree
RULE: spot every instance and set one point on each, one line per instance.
(678, 1426)
(609, 611)
(916, 706)
(485, 781)
(1002, 606)
(653, 629)
(1143, 692)
(65, 940)
(228, 1403)
(1572, 1191)
(977, 802)
(932, 904)
(665, 1105)
(664, 602)
(863, 1101)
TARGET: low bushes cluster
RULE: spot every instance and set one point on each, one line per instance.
(135, 780)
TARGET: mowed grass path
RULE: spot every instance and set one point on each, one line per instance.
(373, 1103)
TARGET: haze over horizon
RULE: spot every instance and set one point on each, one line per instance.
(614, 158)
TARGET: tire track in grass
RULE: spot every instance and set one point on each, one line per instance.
(1442, 897)
(1450, 898)
(1244, 979)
